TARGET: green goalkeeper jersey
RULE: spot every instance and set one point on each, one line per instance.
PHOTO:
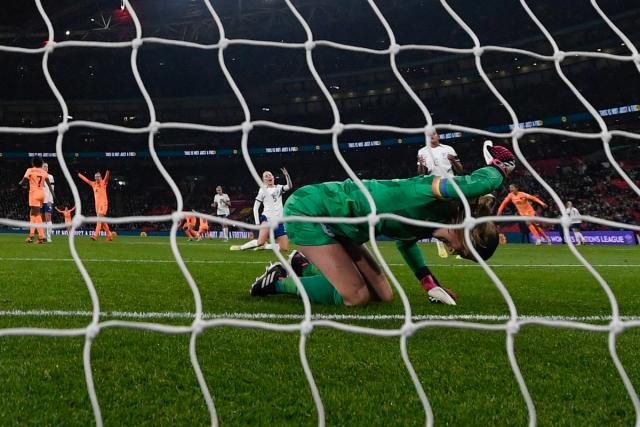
(421, 198)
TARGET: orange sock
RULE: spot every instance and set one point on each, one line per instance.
(97, 232)
(32, 229)
(533, 230)
(105, 226)
(38, 220)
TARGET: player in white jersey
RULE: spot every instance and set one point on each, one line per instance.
(270, 197)
(439, 160)
(575, 223)
(47, 206)
(222, 203)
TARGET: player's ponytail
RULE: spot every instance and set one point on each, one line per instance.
(484, 235)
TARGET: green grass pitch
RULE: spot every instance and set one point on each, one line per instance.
(255, 376)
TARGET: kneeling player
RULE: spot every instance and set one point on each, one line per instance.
(189, 227)
(203, 229)
(337, 267)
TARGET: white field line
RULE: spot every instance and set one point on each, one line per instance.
(164, 241)
(283, 316)
(213, 261)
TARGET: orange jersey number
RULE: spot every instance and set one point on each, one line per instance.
(37, 178)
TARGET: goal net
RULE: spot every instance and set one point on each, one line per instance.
(306, 327)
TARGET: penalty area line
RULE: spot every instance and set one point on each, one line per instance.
(285, 316)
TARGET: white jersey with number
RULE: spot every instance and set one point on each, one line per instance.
(271, 199)
(573, 214)
(440, 165)
(48, 197)
(223, 202)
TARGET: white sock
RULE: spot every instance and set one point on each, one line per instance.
(225, 232)
(270, 246)
(250, 244)
(579, 237)
(49, 230)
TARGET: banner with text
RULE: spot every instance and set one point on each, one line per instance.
(596, 237)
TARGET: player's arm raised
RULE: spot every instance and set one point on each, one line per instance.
(256, 206)
(289, 185)
(456, 164)
(85, 179)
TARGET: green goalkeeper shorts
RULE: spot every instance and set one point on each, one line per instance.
(307, 201)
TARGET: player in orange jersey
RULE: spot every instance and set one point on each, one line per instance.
(189, 227)
(203, 229)
(67, 217)
(521, 201)
(37, 178)
(102, 202)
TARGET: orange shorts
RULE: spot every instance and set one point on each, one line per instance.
(203, 229)
(36, 198)
(101, 209)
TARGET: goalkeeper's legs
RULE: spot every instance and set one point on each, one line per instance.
(339, 280)
(351, 270)
(318, 289)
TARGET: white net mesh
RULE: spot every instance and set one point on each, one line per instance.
(510, 325)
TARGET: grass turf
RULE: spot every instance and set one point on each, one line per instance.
(255, 376)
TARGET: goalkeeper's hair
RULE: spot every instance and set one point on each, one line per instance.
(37, 162)
(485, 235)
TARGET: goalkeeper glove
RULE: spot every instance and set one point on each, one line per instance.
(501, 158)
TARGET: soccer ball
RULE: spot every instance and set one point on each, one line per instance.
(114, 233)
(143, 234)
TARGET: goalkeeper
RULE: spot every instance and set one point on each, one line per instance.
(335, 267)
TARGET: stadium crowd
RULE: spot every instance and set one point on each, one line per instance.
(591, 184)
